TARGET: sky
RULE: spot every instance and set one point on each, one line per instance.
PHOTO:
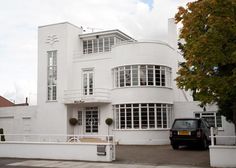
(141, 19)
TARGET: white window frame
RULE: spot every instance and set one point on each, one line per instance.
(87, 72)
(166, 72)
(210, 114)
(117, 113)
(52, 86)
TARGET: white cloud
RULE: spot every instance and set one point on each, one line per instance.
(20, 19)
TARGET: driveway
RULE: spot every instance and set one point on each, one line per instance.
(161, 155)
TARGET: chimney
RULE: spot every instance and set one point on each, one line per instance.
(172, 33)
(26, 101)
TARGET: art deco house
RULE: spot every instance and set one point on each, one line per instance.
(108, 74)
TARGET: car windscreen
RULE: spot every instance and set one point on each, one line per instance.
(185, 124)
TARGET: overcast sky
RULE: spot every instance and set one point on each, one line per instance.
(141, 19)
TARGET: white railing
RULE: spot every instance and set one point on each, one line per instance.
(57, 138)
(77, 96)
(214, 138)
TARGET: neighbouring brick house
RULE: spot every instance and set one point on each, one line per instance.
(7, 103)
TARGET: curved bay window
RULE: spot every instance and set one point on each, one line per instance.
(142, 75)
(142, 116)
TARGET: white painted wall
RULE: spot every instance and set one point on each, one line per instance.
(222, 156)
(18, 119)
(51, 116)
(142, 137)
(64, 151)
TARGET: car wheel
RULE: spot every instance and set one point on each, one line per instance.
(175, 146)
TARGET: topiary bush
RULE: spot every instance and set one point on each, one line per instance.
(109, 121)
(73, 121)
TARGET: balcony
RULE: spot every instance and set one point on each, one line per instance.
(100, 95)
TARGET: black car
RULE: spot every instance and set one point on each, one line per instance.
(190, 131)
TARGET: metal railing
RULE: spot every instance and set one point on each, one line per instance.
(214, 137)
(57, 138)
(78, 96)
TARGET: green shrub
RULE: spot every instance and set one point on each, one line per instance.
(109, 121)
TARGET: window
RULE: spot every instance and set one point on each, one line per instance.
(142, 116)
(135, 75)
(127, 76)
(98, 45)
(88, 82)
(213, 118)
(142, 75)
(52, 75)
(80, 118)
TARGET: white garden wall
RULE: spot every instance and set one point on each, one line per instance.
(65, 151)
(222, 156)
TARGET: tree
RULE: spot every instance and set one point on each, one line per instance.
(209, 48)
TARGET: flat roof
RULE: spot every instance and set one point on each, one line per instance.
(114, 31)
(58, 24)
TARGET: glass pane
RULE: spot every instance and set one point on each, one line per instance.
(122, 76)
(164, 117)
(127, 76)
(135, 75)
(163, 77)
(136, 115)
(100, 45)
(90, 49)
(106, 44)
(128, 118)
(85, 47)
(158, 111)
(95, 45)
(151, 116)
(85, 82)
(143, 75)
(150, 75)
(157, 75)
(218, 120)
(90, 83)
(122, 118)
(144, 116)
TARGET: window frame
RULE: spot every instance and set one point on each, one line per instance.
(152, 76)
(208, 114)
(52, 75)
(140, 120)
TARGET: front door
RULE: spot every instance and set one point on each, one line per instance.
(91, 120)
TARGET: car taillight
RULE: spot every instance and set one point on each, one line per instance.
(199, 133)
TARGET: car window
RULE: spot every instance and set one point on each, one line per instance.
(185, 124)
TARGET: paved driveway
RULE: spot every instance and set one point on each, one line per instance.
(161, 155)
(127, 157)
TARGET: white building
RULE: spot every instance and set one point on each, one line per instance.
(108, 74)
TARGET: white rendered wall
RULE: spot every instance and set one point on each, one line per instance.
(142, 137)
(52, 115)
(64, 151)
(222, 156)
(18, 119)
